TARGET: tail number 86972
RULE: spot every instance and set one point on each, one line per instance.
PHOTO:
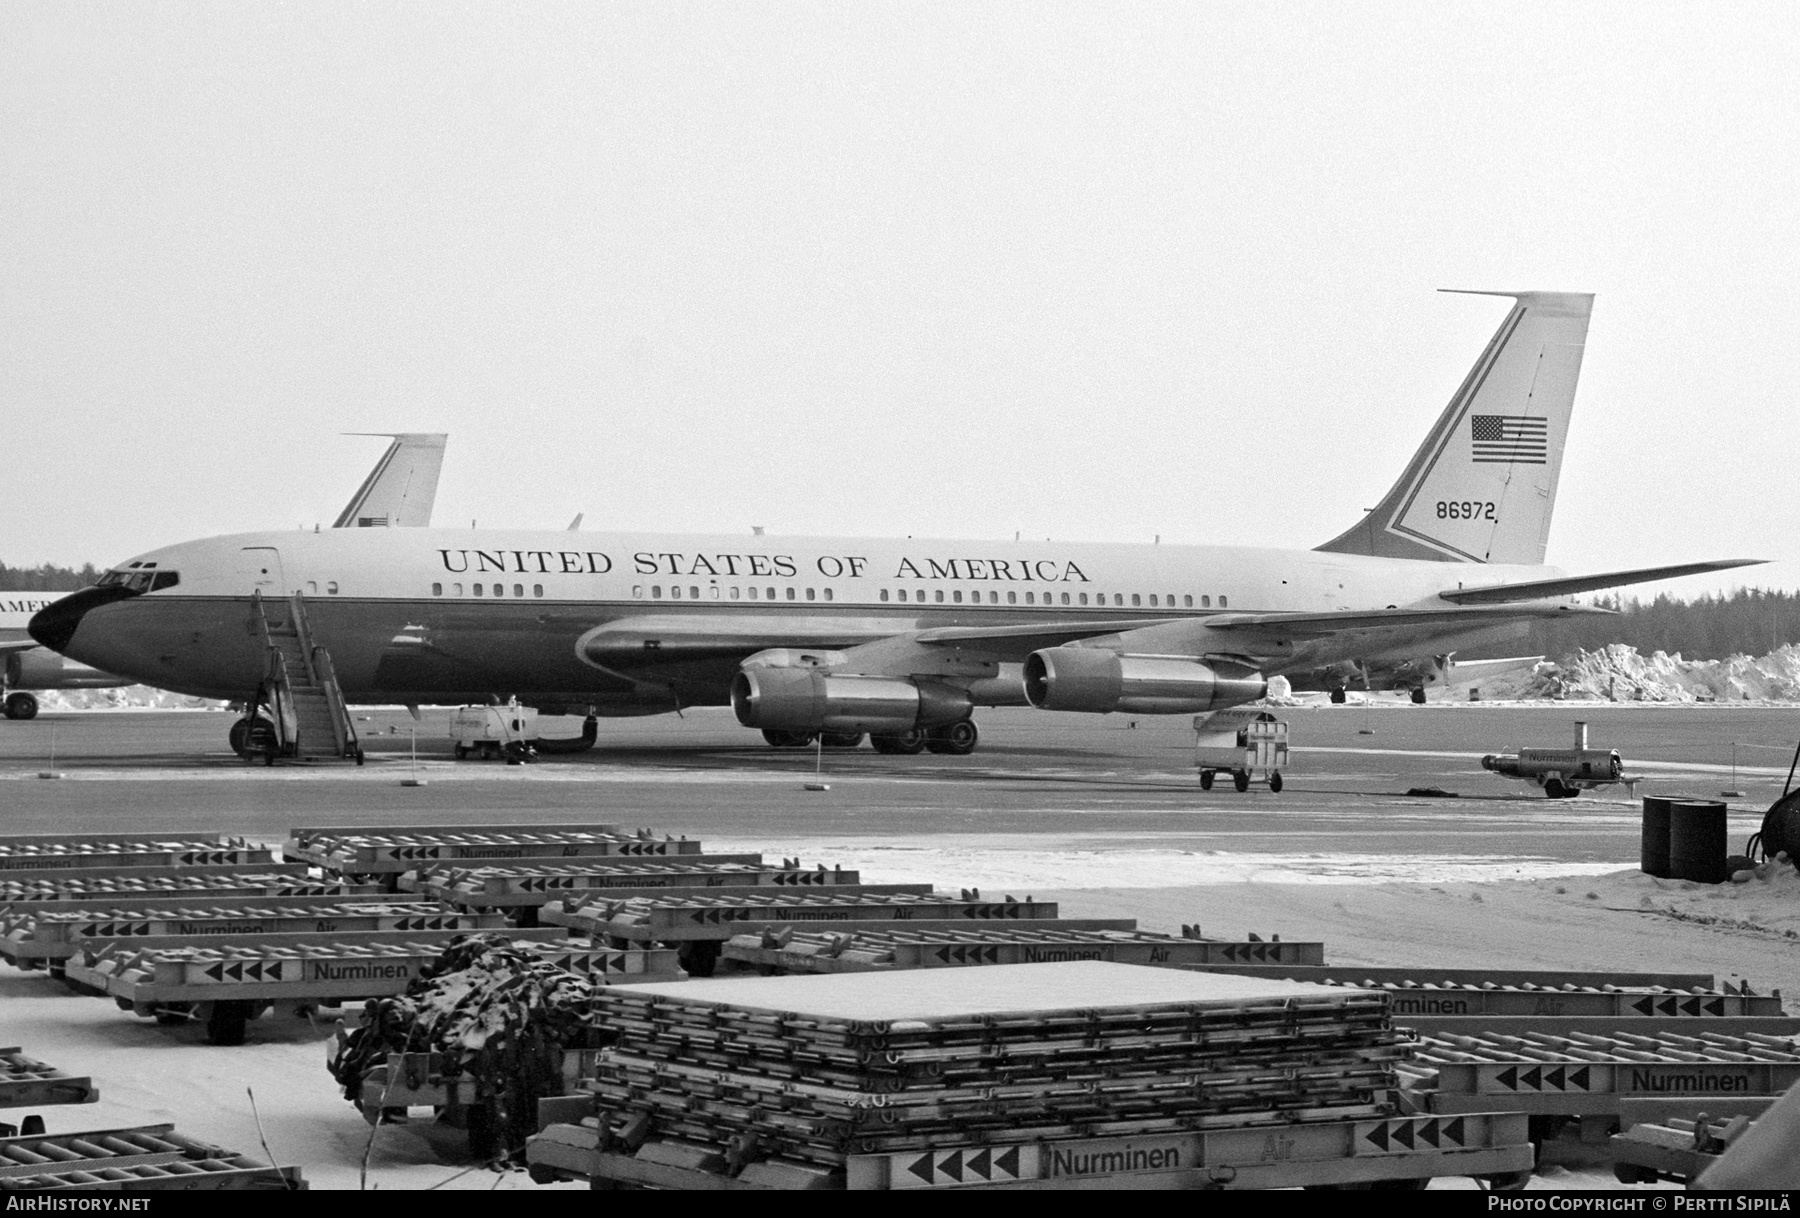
(1454, 509)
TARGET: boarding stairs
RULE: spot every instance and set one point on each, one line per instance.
(300, 689)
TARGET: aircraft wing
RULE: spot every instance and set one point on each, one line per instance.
(1030, 637)
(1496, 594)
(11, 645)
(1320, 624)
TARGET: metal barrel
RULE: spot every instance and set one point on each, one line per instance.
(1697, 839)
(1653, 852)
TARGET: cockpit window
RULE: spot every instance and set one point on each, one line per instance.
(140, 578)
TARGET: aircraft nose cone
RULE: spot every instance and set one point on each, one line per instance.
(54, 625)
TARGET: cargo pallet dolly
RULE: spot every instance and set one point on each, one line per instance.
(27, 1082)
(1591, 1079)
(134, 1159)
(1250, 745)
(228, 984)
(46, 935)
(1401, 1153)
(1678, 1139)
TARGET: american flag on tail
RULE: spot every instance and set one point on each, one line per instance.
(1508, 439)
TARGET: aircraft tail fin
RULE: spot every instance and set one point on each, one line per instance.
(1482, 486)
(400, 490)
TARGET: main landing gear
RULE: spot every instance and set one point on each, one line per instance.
(252, 737)
(21, 705)
(1418, 695)
(952, 740)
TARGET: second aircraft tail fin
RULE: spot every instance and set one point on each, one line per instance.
(1482, 486)
(400, 490)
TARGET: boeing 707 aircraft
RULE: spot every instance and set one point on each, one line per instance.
(900, 639)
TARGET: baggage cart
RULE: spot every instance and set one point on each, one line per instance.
(1247, 744)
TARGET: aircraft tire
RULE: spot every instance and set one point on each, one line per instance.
(259, 738)
(21, 706)
(843, 740)
(954, 739)
(1206, 780)
(1418, 697)
(1275, 782)
(905, 744)
(237, 736)
(1338, 696)
(1240, 780)
(781, 738)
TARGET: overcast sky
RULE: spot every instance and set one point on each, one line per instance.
(1085, 271)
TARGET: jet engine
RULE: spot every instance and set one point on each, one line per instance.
(1091, 679)
(808, 700)
(41, 668)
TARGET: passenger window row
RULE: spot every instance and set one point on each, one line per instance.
(955, 597)
(518, 590)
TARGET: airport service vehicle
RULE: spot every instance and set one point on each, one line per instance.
(1562, 773)
(1250, 745)
(898, 638)
(490, 731)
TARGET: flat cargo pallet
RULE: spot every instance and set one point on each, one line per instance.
(1373, 977)
(27, 1081)
(63, 854)
(678, 917)
(141, 1157)
(1006, 943)
(321, 971)
(318, 837)
(1589, 1074)
(97, 886)
(504, 887)
(377, 852)
(1491, 1146)
(32, 936)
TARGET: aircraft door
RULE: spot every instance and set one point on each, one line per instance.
(259, 568)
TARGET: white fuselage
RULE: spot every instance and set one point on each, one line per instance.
(443, 615)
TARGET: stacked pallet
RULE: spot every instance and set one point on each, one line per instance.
(878, 1080)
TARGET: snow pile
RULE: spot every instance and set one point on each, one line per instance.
(1765, 901)
(125, 696)
(1617, 673)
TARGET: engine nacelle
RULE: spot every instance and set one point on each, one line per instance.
(1098, 681)
(41, 668)
(808, 700)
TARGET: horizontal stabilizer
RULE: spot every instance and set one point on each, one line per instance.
(1537, 589)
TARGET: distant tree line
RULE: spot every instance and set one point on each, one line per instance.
(47, 578)
(1750, 621)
